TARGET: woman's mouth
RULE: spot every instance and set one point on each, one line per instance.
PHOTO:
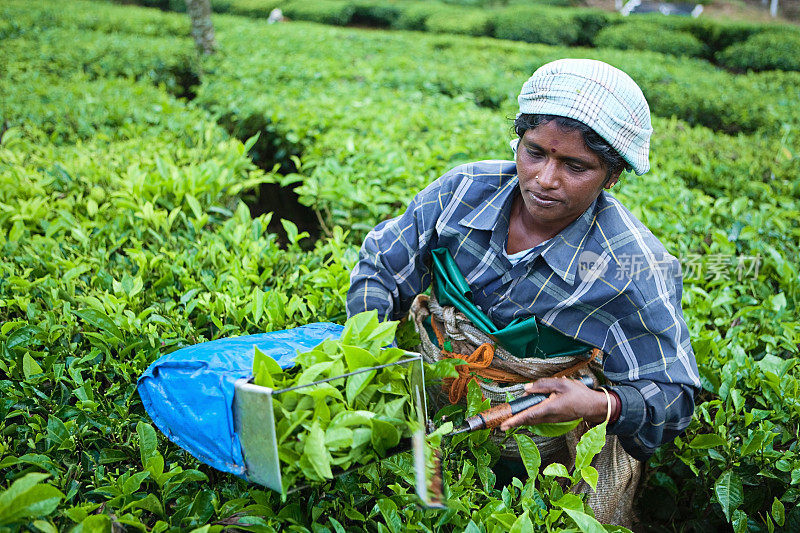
(542, 201)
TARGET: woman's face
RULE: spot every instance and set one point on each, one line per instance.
(559, 177)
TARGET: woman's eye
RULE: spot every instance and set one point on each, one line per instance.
(576, 168)
(534, 153)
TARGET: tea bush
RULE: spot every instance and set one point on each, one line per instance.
(572, 26)
(774, 50)
(323, 11)
(246, 8)
(592, 21)
(414, 16)
(100, 16)
(650, 36)
(474, 22)
(536, 25)
(722, 34)
(124, 236)
(376, 13)
(81, 108)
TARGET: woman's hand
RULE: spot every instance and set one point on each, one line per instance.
(569, 399)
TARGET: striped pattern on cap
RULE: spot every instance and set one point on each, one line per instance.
(599, 95)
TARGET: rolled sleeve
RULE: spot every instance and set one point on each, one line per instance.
(394, 261)
(653, 370)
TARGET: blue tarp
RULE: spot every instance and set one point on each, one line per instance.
(189, 393)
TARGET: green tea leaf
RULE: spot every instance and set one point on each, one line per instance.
(390, 355)
(753, 443)
(359, 327)
(44, 527)
(149, 503)
(554, 429)
(194, 205)
(312, 357)
(22, 337)
(264, 368)
(291, 230)
(522, 524)
(338, 437)
(472, 527)
(258, 305)
(98, 523)
(28, 498)
(337, 526)
(612, 528)
(361, 437)
(385, 435)
(317, 452)
(435, 438)
(585, 523)
(357, 383)
(352, 418)
(705, 441)
(778, 512)
(590, 475)
(353, 514)
(320, 391)
(261, 375)
(729, 491)
(358, 358)
(529, 453)
(57, 432)
(739, 521)
(100, 320)
(396, 408)
(475, 401)
(30, 367)
(314, 373)
(556, 469)
(133, 483)
(443, 368)
(383, 334)
(569, 501)
(388, 510)
(590, 445)
(148, 441)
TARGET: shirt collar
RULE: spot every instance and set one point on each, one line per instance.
(564, 250)
(489, 213)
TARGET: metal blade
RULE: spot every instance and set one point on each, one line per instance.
(462, 429)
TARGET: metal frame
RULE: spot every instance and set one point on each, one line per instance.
(254, 423)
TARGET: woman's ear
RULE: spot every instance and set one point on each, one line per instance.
(612, 180)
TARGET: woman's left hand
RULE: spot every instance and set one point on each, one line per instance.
(569, 399)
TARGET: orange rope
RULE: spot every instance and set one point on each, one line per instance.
(475, 364)
(579, 366)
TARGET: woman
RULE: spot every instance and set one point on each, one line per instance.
(542, 237)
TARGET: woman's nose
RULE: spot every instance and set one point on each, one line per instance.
(547, 176)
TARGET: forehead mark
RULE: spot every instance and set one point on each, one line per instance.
(553, 150)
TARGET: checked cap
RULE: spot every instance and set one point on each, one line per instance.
(599, 95)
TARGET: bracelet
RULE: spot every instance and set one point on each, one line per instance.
(608, 404)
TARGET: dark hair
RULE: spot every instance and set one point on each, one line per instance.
(611, 159)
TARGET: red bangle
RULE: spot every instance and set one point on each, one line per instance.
(616, 408)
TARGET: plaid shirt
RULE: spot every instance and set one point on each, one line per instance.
(604, 280)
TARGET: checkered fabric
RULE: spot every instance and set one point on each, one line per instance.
(599, 95)
(604, 280)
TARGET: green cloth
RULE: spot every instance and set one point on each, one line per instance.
(523, 338)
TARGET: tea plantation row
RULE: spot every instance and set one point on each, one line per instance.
(739, 46)
(124, 236)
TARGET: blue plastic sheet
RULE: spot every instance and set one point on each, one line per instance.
(189, 393)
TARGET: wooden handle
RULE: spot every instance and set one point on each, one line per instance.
(492, 418)
(496, 415)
